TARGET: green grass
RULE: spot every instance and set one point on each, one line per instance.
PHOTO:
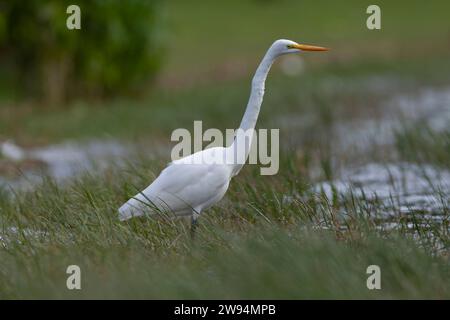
(271, 237)
(255, 244)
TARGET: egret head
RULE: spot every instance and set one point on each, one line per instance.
(283, 46)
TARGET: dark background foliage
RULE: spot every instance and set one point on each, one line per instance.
(116, 49)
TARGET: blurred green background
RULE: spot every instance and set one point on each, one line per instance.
(138, 59)
(116, 49)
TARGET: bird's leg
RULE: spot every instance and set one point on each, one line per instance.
(194, 224)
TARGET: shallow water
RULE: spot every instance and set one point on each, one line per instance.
(62, 161)
(66, 160)
(428, 106)
(407, 187)
(376, 126)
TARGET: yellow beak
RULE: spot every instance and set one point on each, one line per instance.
(307, 47)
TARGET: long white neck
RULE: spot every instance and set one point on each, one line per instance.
(240, 148)
(257, 93)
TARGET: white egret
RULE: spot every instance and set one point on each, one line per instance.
(194, 183)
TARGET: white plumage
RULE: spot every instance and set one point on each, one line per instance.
(183, 187)
(194, 183)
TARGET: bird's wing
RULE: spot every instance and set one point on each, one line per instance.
(193, 184)
(185, 186)
(195, 178)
